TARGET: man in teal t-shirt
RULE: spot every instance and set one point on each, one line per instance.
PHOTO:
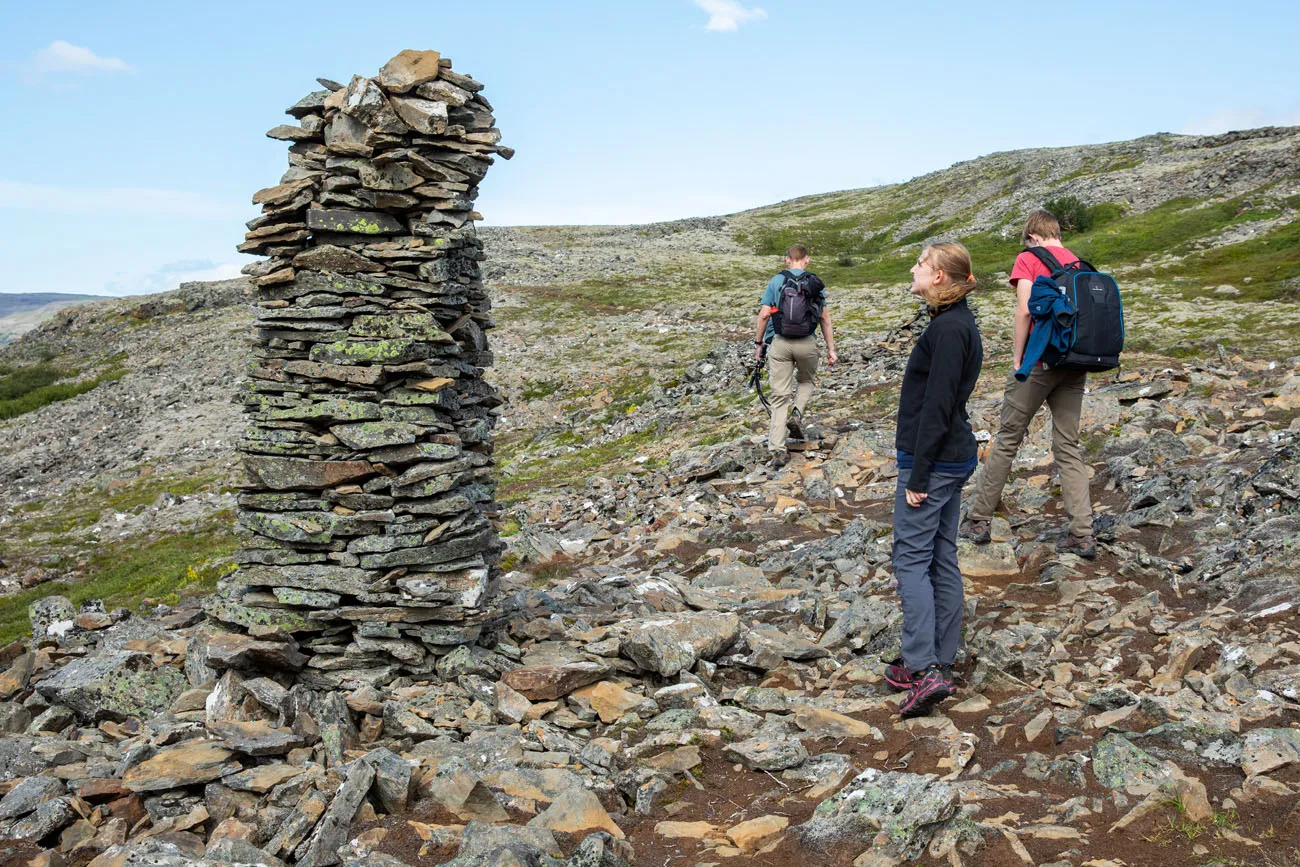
(789, 358)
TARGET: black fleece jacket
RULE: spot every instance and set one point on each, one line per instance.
(941, 373)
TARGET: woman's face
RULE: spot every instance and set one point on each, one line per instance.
(922, 276)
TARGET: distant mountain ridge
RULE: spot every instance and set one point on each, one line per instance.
(18, 302)
(20, 312)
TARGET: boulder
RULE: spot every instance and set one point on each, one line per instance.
(672, 644)
(114, 686)
(767, 754)
(29, 794)
(898, 812)
(576, 811)
(1267, 750)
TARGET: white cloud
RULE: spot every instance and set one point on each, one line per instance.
(100, 201)
(633, 210)
(1242, 117)
(728, 15)
(64, 58)
(169, 276)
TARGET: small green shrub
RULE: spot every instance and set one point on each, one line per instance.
(1070, 212)
(15, 382)
(26, 389)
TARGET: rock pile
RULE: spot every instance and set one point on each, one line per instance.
(365, 524)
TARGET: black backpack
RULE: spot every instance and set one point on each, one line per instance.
(799, 305)
(1097, 338)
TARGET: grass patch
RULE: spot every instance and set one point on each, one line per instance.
(535, 389)
(134, 573)
(25, 389)
(1162, 229)
(41, 526)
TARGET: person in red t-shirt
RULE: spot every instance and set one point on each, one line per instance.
(1061, 390)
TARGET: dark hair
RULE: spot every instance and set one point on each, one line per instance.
(796, 252)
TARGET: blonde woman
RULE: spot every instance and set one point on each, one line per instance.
(936, 455)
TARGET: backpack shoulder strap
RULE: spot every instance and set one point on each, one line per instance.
(1048, 260)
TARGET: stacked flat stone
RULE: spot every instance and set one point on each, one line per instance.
(365, 524)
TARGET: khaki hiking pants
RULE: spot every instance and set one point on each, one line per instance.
(788, 360)
(1062, 391)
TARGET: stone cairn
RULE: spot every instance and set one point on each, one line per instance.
(365, 524)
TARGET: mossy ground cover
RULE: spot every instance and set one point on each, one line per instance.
(1271, 262)
(521, 476)
(134, 573)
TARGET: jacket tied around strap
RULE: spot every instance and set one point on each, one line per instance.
(1053, 314)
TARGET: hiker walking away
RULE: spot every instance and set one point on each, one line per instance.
(1062, 391)
(793, 306)
(936, 455)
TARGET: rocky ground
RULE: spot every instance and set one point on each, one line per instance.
(687, 672)
(686, 667)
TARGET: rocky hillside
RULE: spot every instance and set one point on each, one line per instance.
(687, 668)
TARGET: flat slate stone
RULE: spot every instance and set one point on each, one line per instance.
(255, 737)
(287, 473)
(550, 682)
(184, 765)
(334, 579)
(373, 434)
(328, 257)
(354, 222)
(231, 650)
(391, 351)
(408, 69)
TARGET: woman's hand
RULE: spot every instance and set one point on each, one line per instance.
(914, 499)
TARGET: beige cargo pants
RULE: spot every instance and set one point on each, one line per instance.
(1062, 391)
(788, 360)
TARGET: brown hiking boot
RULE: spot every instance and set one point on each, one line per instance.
(1083, 546)
(976, 531)
(794, 425)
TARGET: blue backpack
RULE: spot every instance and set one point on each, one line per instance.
(1097, 338)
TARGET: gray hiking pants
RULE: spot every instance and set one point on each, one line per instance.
(925, 566)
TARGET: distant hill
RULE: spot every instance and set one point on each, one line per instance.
(20, 312)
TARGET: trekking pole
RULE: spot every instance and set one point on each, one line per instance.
(756, 379)
(894, 334)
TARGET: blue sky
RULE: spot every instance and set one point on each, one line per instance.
(133, 133)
